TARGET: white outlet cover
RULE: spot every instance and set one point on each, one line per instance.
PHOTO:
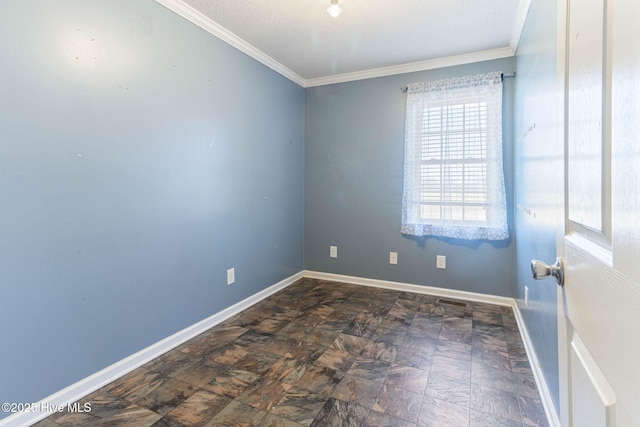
(231, 276)
(393, 257)
(441, 262)
(333, 251)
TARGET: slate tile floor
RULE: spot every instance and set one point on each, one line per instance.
(322, 353)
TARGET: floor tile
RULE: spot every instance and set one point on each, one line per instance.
(336, 322)
(167, 396)
(456, 329)
(264, 393)
(360, 391)
(47, 422)
(272, 420)
(379, 350)
(392, 336)
(77, 419)
(363, 326)
(173, 361)
(253, 340)
(198, 371)
(320, 379)
(431, 309)
(229, 353)
(270, 326)
(448, 389)
(495, 402)
(312, 320)
(336, 359)
(320, 337)
(339, 413)
(526, 385)
(457, 350)
(407, 378)
(237, 414)
(257, 362)
(103, 404)
(398, 403)
(136, 384)
(199, 409)
(287, 370)
(423, 343)
(438, 413)
(489, 329)
(451, 367)
(134, 416)
(519, 364)
(425, 326)
(305, 352)
(299, 405)
(294, 331)
(397, 319)
(376, 419)
(532, 412)
(488, 317)
(231, 382)
(482, 419)
(349, 343)
(370, 369)
(223, 334)
(495, 377)
(489, 342)
(415, 357)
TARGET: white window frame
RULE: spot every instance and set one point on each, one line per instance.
(454, 174)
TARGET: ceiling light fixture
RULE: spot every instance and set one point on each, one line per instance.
(334, 10)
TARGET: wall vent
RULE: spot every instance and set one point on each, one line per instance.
(449, 302)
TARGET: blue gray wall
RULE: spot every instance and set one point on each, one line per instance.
(140, 158)
(539, 181)
(354, 149)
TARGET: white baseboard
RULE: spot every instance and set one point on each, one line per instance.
(407, 287)
(80, 389)
(543, 389)
(111, 373)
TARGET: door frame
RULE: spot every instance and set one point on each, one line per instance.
(564, 332)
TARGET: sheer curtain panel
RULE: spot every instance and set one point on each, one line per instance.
(453, 172)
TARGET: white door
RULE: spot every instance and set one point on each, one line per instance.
(599, 305)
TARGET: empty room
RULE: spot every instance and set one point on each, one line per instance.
(320, 213)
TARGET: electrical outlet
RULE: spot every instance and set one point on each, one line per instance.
(393, 257)
(526, 296)
(441, 262)
(333, 251)
(231, 276)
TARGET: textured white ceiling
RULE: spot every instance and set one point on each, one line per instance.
(369, 34)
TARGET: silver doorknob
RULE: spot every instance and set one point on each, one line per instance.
(540, 270)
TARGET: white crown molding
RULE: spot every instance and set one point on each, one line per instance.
(521, 18)
(430, 64)
(207, 24)
(204, 22)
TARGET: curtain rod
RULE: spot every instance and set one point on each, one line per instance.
(503, 75)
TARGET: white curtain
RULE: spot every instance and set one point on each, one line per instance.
(453, 172)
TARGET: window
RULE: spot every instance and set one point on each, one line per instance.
(453, 174)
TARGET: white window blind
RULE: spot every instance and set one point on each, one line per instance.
(454, 181)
